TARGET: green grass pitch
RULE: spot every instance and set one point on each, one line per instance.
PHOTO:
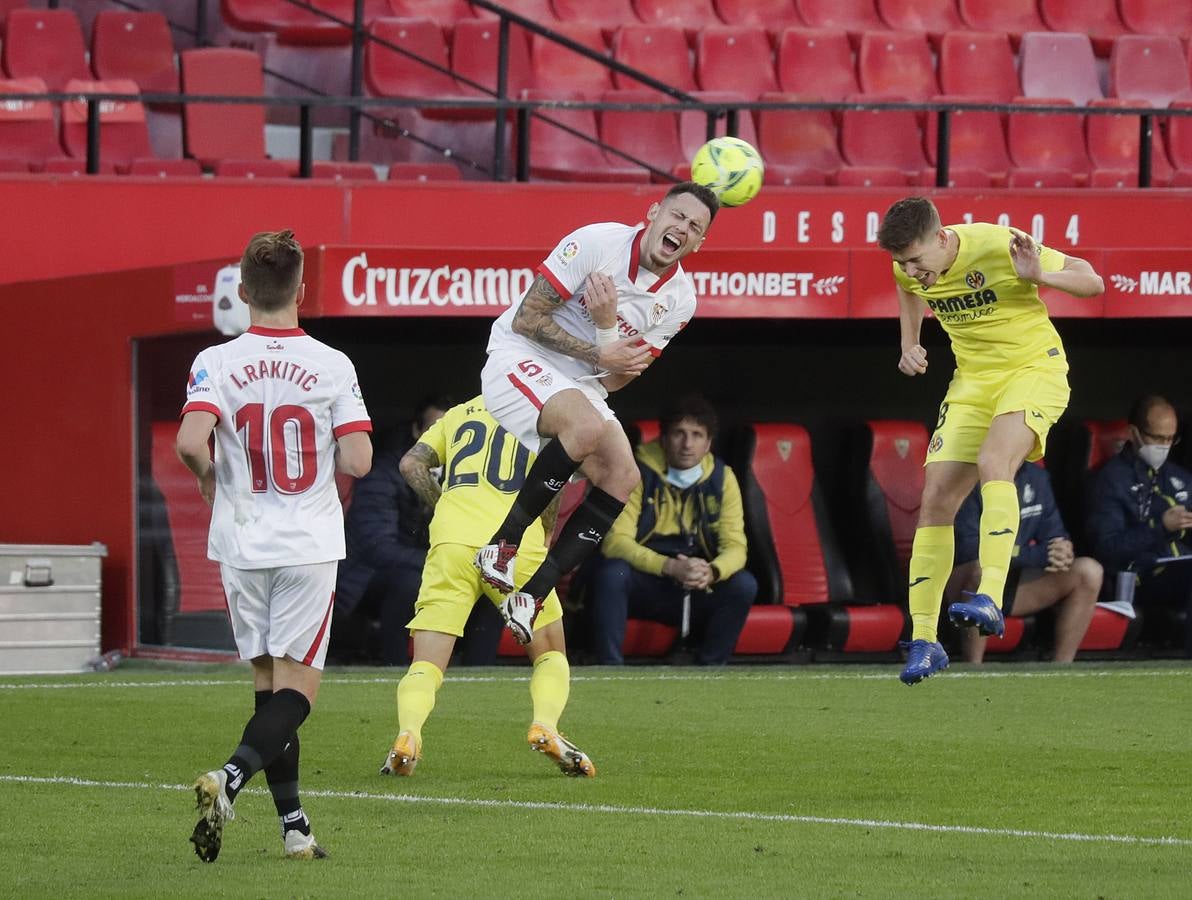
(748, 782)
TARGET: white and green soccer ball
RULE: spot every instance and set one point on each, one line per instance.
(731, 167)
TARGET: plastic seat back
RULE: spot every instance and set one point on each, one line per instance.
(1046, 141)
(391, 74)
(978, 139)
(652, 137)
(137, 46)
(123, 134)
(1098, 19)
(1014, 16)
(553, 64)
(1113, 142)
(1156, 16)
(979, 64)
(882, 138)
(735, 58)
(45, 44)
(853, 16)
(475, 45)
(1149, 67)
(656, 50)
(932, 16)
(27, 132)
(222, 131)
(805, 139)
(1059, 65)
(894, 62)
(693, 124)
(816, 62)
(773, 15)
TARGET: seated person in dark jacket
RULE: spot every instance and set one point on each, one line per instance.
(1139, 512)
(387, 534)
(681, 533)
(1050, 574)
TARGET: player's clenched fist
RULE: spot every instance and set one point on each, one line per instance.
(600, 295)
(913, 360)
(627, 356)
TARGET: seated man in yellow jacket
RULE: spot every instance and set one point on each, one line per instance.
(680, 538)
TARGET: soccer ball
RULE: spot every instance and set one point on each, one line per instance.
(731, 168)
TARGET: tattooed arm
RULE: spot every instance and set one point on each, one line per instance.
(416, 468)
(535, 320)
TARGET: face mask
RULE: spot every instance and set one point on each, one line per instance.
(684, 478)
(1154, 455)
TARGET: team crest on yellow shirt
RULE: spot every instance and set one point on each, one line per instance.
(937, 444)
(975, 279)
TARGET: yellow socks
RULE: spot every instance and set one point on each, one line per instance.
(931, 566)
(416, 697)
(549, 687)
(999, 527)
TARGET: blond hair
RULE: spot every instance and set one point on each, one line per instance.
(271, 270)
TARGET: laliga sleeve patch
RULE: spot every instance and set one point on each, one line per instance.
(567, 253)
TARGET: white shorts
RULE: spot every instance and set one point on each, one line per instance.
(516, 385)
(281, 612)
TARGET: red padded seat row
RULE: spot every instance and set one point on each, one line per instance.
(215, 132)
(1098, 19)
(45, 44)
(1149, 67)
(137, 46)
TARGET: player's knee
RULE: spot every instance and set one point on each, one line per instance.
(994, 466)
(1089, 573)
(582, 437)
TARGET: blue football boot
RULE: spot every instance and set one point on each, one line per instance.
(979, 611)
(924, 658)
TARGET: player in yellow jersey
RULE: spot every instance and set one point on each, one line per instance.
(484, 466)
(1010, 386)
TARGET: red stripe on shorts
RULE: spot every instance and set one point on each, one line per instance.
(525, 389)
(310, 654)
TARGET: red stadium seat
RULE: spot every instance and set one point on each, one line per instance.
(816, 63)
(877, 176)
(557, 155)
(409, 171)
(979, 64)
(608, 14)
(298, 25)
(768, 629)
(935, 17)
(1106, 631)
(1149, 67)
(444, 13)
(123, 134)
(690, 15)
(1059, 65)
(343, 171)
(652, 137)
(45, 44)
(883, 139)
(166, 168)
(800, 140)
(1044, 178)
(1098, 19)
(474, 50)
(214, 132)
(137, 46)
(391, 74)
(693, 124)
(735, 58)
(1047, 141)
(252, 168)
(892, 62)
(27, 132)
(554, 64)
(655, 50)
(1179, 139)
(853, 16)
(539, 11)
(1156, 16)
(1014, 16)
(773, 15)
(978, 142)
(1113, 148)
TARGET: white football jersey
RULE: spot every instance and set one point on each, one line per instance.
(282, 399)
(653, 306)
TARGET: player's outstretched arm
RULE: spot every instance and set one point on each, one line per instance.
(416, 467)
(353, 454)
(535, 320)
(191, 447)
(913, 360)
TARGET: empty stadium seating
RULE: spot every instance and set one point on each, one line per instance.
(553, 64)
(410, 171)
(735, 58)
(46, 44)
(816, 63)
(343, 171)
(898, 63)
(977, 150)
(557, 155)
(123, 134)
(608, 14)
(978, 64)
(853, 16)
(656, 50)
(798, 140)
(693, 124)
(651, 137)
(1047, 142)
(690, 15)
(1098, 19)
(884, 140)
(1149, 67)
(166, 168)
(391, 74)
(935, 17)
(1156, 17)
(1113, 149)
(474, 54)
(1017, 17)
(214, 132)
(136, 46)
(539, 11)
(1179, 144)
(1059, 65)
(27, 132)
(773, 15)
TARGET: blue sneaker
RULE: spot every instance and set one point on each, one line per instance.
(980, 611)
(923, 659)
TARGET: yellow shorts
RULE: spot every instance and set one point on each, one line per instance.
(974, 400)
(451, 586)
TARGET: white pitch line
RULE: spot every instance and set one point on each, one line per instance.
(608, 809)
(660, 676)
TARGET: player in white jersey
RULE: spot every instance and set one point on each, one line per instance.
(605, 303)
(286, 412)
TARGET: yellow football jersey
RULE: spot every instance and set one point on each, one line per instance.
(484, 466)
(994, 319)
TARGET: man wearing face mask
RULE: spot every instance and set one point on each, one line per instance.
(1140, 511)
(682, 534)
